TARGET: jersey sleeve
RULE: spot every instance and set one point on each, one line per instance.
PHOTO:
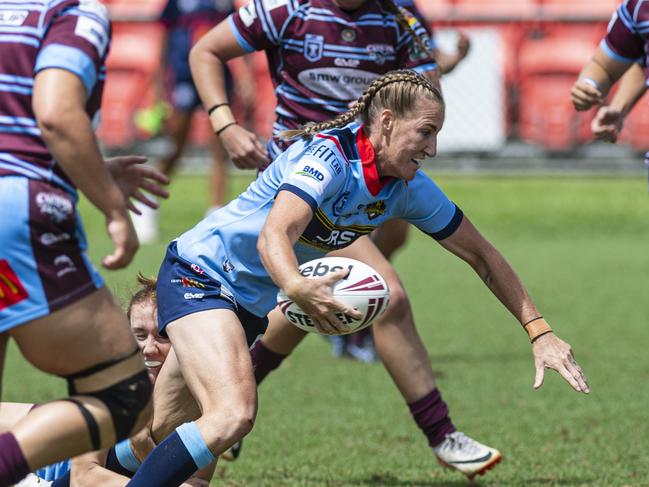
(257, 26)
(430, 210)
(623, 42)
(408, 49)
(77, 40)
(316, 174)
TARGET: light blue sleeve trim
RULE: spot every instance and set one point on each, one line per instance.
(125, 456)
(242, 42)
(71, 59)
(614, 55)
(193, 441)
(423, 68)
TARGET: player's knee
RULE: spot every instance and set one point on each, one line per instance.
(241, 416)
(399, 302)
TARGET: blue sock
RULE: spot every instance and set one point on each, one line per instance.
(174, 460)
(63, 481)
(120, 459)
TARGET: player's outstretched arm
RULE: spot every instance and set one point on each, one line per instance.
(549, 350)
(207, 60)
(133, 178)
(596, 79)
(58, 101)
(447, 61)
(607, 123)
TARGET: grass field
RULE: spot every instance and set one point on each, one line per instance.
(580, 245)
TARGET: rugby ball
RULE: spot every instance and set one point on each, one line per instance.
(363, 289)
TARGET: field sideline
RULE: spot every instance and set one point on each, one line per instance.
(581, 246)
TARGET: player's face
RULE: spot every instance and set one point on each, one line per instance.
(144, 327)
(407, 140)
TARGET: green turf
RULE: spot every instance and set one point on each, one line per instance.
(579, 243)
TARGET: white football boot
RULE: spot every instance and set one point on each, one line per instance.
(232, 453)
(466, 455)
(33, 480)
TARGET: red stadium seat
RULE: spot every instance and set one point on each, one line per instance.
(131, 67)
(497, 10)
(636, 126)
(135, 9)
(548, 69)
(578, 9)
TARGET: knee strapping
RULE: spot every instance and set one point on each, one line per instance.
(124, 399)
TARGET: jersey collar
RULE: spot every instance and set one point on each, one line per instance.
(366, 152)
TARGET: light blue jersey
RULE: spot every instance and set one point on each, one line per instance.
(335, 174)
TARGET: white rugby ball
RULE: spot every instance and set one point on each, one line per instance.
(363, 289)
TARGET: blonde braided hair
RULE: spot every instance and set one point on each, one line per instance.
(398, 13)
(397, 90)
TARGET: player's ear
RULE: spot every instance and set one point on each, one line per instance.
(387, 121)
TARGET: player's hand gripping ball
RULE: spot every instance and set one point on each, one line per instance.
(363, 289)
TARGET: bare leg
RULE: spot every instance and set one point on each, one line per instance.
(180, 124)
(213, 356)
(59, 344)
(397, 341)
(391, 236)
(281, 337)
(11, 413)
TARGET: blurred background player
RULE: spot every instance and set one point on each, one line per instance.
(185, 22)
(322, 55)
(391, 236)
(53, 302)
(624, 46)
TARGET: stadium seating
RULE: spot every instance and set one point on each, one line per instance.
(548, 68)
(133, 10)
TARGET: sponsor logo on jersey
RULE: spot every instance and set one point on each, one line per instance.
(340, 203)
(248, 14)
(197, 269)
(346, 63)
(338, 238)
(380, 52)
(53, 238)
(13, 17)
(189, 282)
(194, 295)
(55, 206)
(313, 47)
(348, 35)
(311, 172)
(375, 209)
(324, 154)
(92, 31)
(343, 84)
(11, 289)
(321, 269)
(227, 266)
(66, 265)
